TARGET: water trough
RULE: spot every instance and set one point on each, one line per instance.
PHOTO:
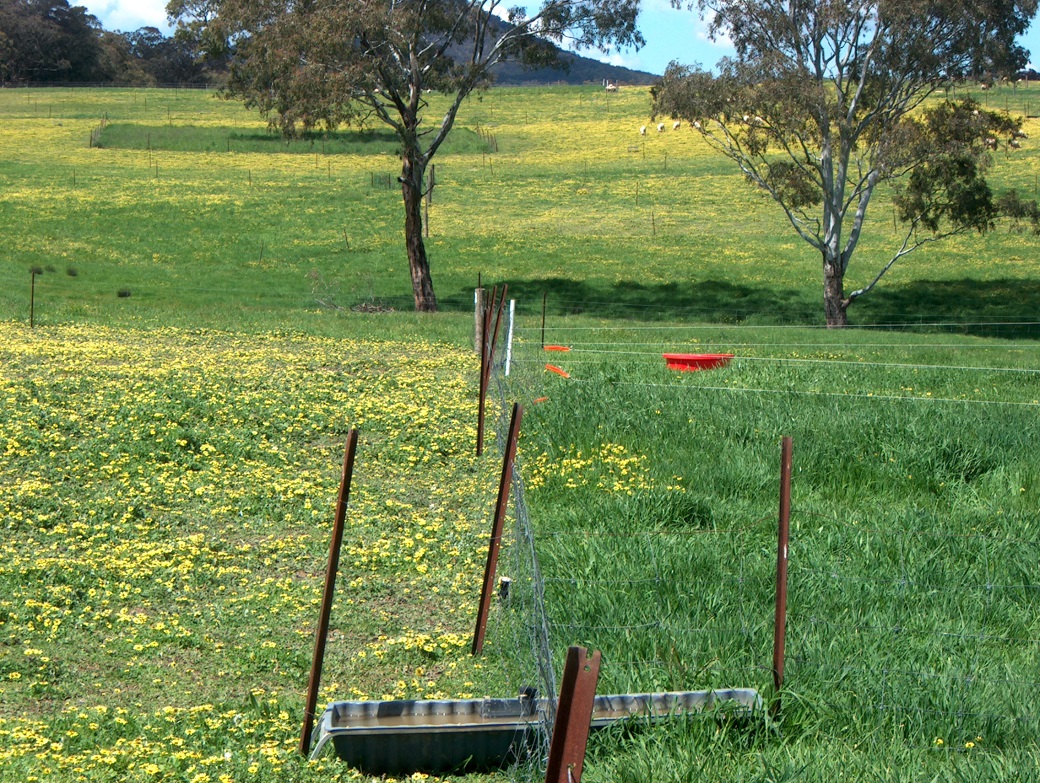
(402, 737)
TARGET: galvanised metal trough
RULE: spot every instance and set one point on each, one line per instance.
(463, 735)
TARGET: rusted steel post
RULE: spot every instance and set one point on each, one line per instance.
(330, 586)
(545, 295)
(573, 717)
(498, 308)
(484, 373)
(497, 526)
(783, 536)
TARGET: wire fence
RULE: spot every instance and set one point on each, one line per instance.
(925, 626)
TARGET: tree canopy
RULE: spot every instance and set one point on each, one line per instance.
(827, 100)
(48, 41)
(321, 63)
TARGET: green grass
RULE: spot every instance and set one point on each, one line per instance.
(574, 204)
(653, 494)
(913, 597)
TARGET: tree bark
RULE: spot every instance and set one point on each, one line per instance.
(412, 170)
(835, 305)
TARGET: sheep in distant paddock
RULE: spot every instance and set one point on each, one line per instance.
(1020, 134)
(676, 125)
(991, 143)
(642, 130)
(1013, 142)
(660, 127)
(697, 124)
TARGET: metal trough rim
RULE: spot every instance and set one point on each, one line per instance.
(496, 714)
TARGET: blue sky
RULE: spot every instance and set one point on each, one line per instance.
(670, 34)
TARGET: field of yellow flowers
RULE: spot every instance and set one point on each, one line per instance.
(166, 505)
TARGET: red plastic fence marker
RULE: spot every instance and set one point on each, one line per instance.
(330, 586)
(487, 591)
(557, 370)
(690, 362)
(573, 717)
(783, 538)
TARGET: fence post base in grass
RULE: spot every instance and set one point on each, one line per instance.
(573, 716)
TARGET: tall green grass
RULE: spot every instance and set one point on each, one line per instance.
(914, 603)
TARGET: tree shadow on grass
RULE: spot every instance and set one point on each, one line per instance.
(716, 301)
(1007, 308)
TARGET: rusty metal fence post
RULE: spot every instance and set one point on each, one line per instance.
(783, 538)
(487, 358)
(496, 529)
(330, 585)
(573, 716)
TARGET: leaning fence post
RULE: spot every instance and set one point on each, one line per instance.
(783, 537)
(573, 717)
(487, 359)
(497, 526)
(330, 586)
(485, 341)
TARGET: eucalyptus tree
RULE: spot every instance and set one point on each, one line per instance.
(827, 99)
(308, 64)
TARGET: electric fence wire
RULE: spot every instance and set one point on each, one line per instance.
(932, 658)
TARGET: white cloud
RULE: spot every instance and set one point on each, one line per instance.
(502, 11)
(128, 15)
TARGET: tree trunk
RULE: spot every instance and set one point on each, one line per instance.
(835, 305)
(412, 172)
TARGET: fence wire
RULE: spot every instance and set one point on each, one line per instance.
(927, 629)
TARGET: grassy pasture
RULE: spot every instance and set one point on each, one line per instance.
(171, 455)
(575, 202)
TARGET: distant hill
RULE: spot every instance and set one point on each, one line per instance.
(580, 70)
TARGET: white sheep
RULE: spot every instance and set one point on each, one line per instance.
(642, 130)
(660, 127)
(676, 125)
(697, 124)
(1015, 143)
